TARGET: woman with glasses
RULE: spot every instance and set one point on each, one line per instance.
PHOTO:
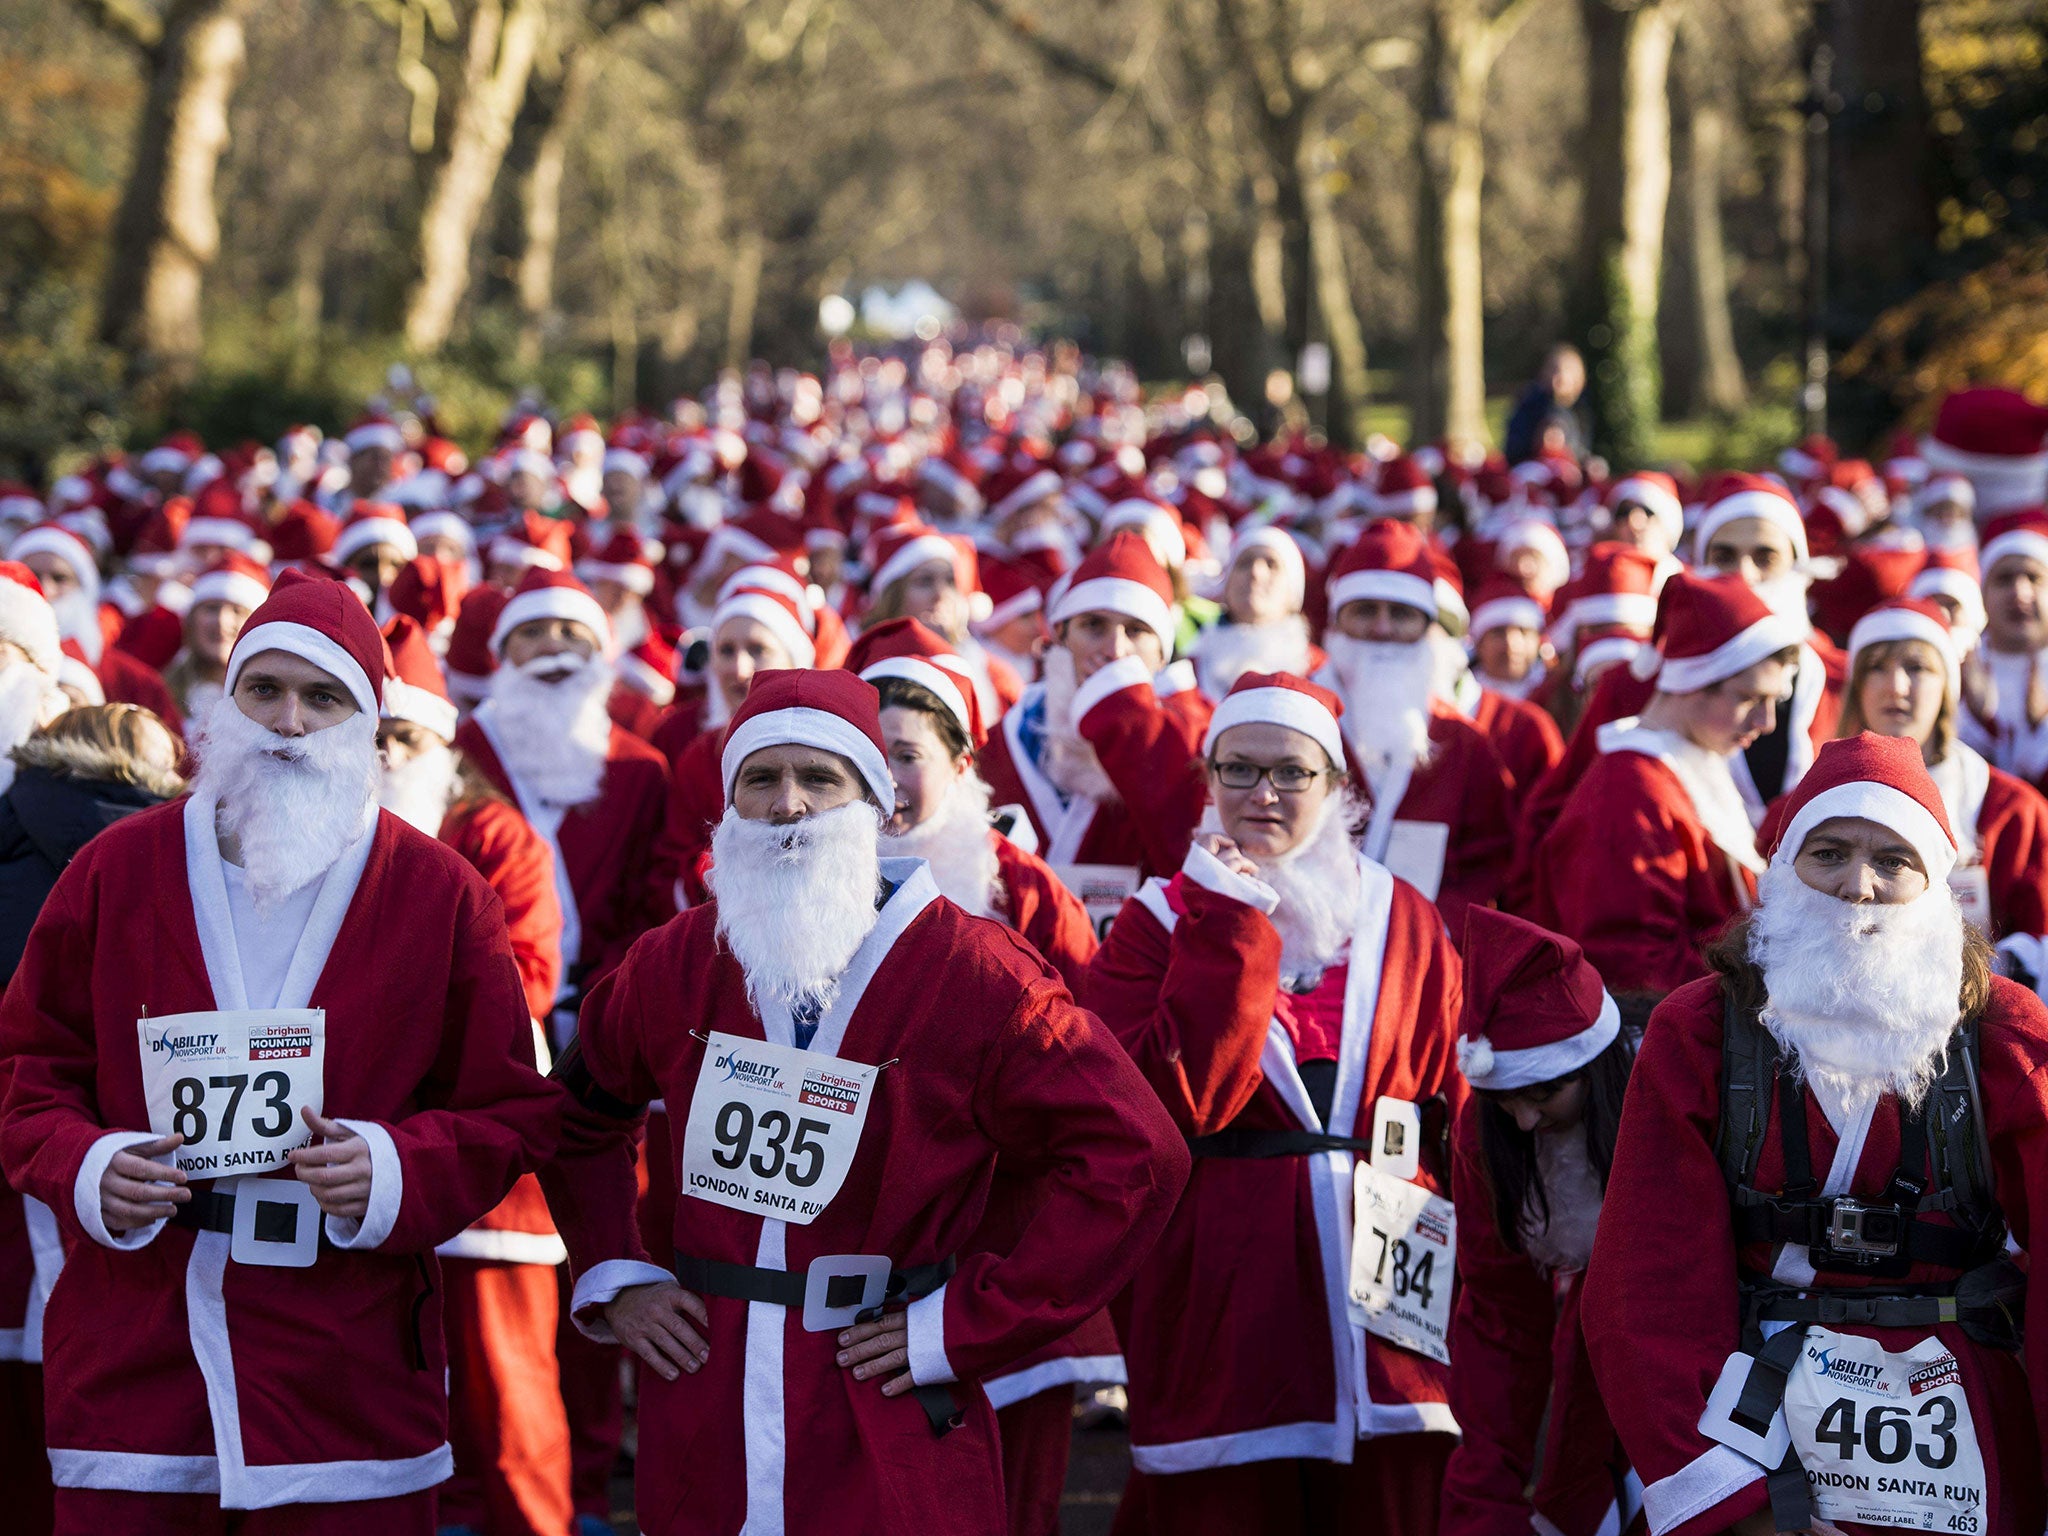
(1292, 1003)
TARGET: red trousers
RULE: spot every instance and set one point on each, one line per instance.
(1391, 1488)
(589, 1377)
(505, 1415)
(24, 1464)
(1037, 1435)
(98, 1512)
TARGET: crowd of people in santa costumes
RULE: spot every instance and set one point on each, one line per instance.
(1036, 905)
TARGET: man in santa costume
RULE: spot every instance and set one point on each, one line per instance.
(1103, 752)
(506, 1422)
(373, 546)
(1653, 852)
(620, 574)
(1548, 1056)
(1799, 1310)
(70, 579)
(1262, 629)
(596, 793)
(2007, 692)
(1442, 813)
(812, 985)
(298, 1380)
(1285, 996)
(223, 597)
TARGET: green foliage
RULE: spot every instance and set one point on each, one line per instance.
(61, 393)
(1625, 374)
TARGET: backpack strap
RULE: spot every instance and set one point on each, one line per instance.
(1748, 1059)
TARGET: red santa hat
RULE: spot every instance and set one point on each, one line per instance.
(54, 539)
(904, 648)
(1868, 777)
(1999, 439)
(900, 548)
(1015, 586)
(761, 535)
(1738, 496)
(1534, 1007)
(1401, 489)
(26, 617)
(1945, 488)
(321, 621)
(413, 690)
(1024, 490)
(2024, 534)
(1159, 526)
(543, 594)
(535, 542)
(375, 432)
(471, 657)
(1278, 543)
(1390, 563)
(19, 503)
(373, 523)
(1946, 575)
(445, 525)
(1619, 586)
(304, 532)
(625, 558)
(775, 610)
(1281, 698)
(1911, 618)
(1656, 494)
(1120, 575)
(834, 711)
(1540, 535)
(1710, 628)
(1505, 603)
(233, 578)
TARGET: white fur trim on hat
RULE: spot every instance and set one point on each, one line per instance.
(66, 546)
(366, 531)
(237, 587)
(1892, 809)
(1385, 587)
(1035, 488)
(552, 603)
(1280, 544)
(444, 525)
(1409, 503)
(27, 619)
(308, 644)
(1608, 648)
(624, 461)
(75, 674)
(925, 549)
(1638, 610)
(1660, 504)
(420, 706)
(2016, 541)
(1957, 586)
(506, 550)
(227, 532)
(818, 728)
(2001, 482)
(1765, 638)
(926, 674)
(637, 579)
(770, 614)
(375, 434)
(1773, 509)
(1883, 624)
(1507, 613)
(1114, 594)
(1026, 599)
(1496, 1071)
(1289, 707)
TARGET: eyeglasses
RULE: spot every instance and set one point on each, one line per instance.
(1288, 778)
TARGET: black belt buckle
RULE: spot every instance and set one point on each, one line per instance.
(1865, 1231)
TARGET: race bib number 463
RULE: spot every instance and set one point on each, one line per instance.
(233, 1084)
(773, 1129)
(1886, 1439)
(1404, 1253)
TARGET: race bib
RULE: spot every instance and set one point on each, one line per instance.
(1415, 852)
(1886, 1439)
(1972, 886)
(1103, 889)
(773, 1129)
(1404, 1252)
(232, 1084)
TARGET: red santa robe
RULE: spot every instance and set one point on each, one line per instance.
(1518, 1357)
(2008, 739)
(1526, 739)
(1651, 857)
(771, 1433)
(1044, 911)
(125, 680)
(1256, 1260)
(1660, 1313)
(696, 801)
(169, 1369)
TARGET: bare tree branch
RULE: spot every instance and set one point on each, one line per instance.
(130, 21)
(1068, 61)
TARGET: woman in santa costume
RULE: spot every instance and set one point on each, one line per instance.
(1285, 996)
(2007, 719)
(1547, 1055)
(917, 572)
(1800, 1311)
(506, 1421)
(268, 1346)
(856, 1053)
(1653, 853)
(1262, 628)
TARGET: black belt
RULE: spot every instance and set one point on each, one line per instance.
(1274, 1143)
(1806, 1224)
(788, 1287)
(213, 1210)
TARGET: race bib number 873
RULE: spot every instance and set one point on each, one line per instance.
(773, 1129)
(232, 1084)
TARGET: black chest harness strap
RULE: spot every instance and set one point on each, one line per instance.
(1944, 1137)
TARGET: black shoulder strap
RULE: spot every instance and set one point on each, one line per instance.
(1747, 1061)
(1955, 1113)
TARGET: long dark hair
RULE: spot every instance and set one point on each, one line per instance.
(1509, 1152)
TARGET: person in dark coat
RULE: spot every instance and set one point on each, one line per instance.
(82, 772)
(1545, 420)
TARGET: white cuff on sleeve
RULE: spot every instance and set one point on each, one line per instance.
(1113, 677)
(1212, 874)
(85, 1190)
(387, 1192)
(600, 1284)
(926, 1318)
(1718, 1473)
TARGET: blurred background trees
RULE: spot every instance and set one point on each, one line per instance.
(1746, 212)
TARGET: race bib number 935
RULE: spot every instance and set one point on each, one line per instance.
(773, 1129)
(233, 1084)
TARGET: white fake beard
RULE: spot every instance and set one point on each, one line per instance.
(1571, 1190)
(1865, 996)
(954, 840)
(294, 803)
(78, 618)
(1786, 595)
(1226, 652)
(795, 902)
(420, 790)
(1070, 760)
(553, 736)
(1317, 882)
(24, 705)
(1387, 686)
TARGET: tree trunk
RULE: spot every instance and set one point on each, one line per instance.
(552, 109)
(743, 297)
(1450, 341)
(167, 231)
(498, 58)
(1349, 385)
(1715, 382)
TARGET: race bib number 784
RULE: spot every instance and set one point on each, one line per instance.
(233, 1084)
(773, 1129)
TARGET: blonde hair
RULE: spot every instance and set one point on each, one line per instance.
(115, 743)
(1883, 653)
